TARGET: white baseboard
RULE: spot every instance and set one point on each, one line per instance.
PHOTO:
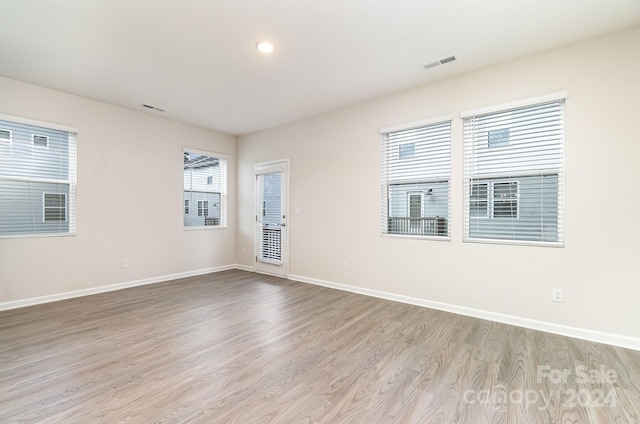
(245, 267)
(112, 287)
(549, 327)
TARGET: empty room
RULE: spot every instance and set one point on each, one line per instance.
(409, 211)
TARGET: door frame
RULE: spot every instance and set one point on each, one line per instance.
(263, 267)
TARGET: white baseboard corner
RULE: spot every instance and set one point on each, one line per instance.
(549, 327)
(4, 306)
(245, 267)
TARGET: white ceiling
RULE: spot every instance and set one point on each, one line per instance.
(197, 60)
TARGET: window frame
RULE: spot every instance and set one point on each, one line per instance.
(222, 195)
(45, 207)
(69, 182)
(387, 183)
(515, 197)
(519, 237)
(487, 200)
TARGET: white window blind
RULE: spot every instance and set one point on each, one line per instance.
(416, 168)
(270, 222)
(205, 185)
(37, 179)
(514, 174)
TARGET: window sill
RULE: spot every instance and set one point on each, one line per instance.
(514, 242)
(207, 227)
(417, 237)
(41, 235)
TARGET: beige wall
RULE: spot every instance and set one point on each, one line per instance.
(335, 179)
(129, 200)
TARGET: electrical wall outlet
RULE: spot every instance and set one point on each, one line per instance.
(125, 263)
(243, 251)
(345, 265)
(557, 295)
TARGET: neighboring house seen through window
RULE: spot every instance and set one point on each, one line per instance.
(37, 186)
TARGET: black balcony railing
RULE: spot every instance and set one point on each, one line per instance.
(424, 226)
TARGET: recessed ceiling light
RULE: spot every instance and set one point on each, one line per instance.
(264, 46)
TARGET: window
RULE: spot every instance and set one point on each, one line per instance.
(205, 185)
(5, 135)
(40, 140)
(498, 137)
(514, 171)
(415, 178)
(203, 208)
(479, 200)
(505, 200)
(37, 186)
(406, 151)
(54, 207)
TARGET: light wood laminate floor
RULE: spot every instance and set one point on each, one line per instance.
(239, 347)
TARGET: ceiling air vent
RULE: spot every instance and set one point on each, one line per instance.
(440, 62)
(153, 108)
